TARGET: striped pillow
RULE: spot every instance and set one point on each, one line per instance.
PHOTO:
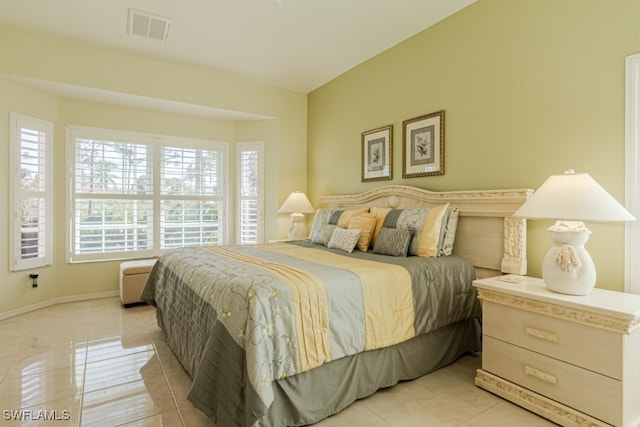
(426, 224)
(365, 222)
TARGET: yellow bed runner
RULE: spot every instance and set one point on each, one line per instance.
(386, 289)
(387, 304)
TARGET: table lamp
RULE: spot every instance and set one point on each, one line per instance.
(570, 199)
(297, 204)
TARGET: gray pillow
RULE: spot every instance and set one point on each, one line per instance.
(323, 234)
(393, 241)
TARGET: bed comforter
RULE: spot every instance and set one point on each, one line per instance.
(292, 307)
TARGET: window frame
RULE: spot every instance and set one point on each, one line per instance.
(632, 173)
(17, 122)
(156, 143)
(240, 148)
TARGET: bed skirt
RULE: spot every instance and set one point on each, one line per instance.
(222, 390)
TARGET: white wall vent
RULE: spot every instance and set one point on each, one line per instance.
(148, 25)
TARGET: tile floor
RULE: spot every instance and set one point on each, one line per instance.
(94, 363)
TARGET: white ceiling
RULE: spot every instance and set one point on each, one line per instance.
(292, 44)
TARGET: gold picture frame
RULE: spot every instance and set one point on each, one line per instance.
(377, 154)
(423, 145)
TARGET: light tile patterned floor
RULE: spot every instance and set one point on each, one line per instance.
(95, 363)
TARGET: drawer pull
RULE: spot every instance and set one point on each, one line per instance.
(545, 335)
(542, 376)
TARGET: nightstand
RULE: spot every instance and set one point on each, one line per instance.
(572, 359)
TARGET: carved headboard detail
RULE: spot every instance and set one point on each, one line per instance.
(488, 234)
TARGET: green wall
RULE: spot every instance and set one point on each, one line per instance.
(28, 56)
(530, 88)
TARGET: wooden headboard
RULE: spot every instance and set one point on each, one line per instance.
(488, 234)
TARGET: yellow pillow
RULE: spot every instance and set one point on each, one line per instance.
(343, 222)
(430, 235)
(366, 222)
(381, 214)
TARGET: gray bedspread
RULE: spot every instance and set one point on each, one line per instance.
(240, 300)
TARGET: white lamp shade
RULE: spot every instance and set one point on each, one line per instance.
(573, 197)
(297, 202)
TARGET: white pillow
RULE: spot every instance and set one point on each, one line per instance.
(344, 239)
(448, 233)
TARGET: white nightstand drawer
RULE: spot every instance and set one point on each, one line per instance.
(592, 393)
(585, 346)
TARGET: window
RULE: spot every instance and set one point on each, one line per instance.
(31, 184)
(250, 192)
(192, 196)
(133, 195)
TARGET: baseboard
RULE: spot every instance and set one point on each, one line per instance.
(55, 301)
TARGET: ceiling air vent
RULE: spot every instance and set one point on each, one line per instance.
(148, 25)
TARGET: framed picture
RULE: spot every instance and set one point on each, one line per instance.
(423, 145)
(376, 154)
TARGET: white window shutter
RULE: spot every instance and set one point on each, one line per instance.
(113, 197)
(250, 194)
(192, 189)
(134, 195)
(31, 186)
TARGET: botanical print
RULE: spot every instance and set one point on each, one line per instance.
(376, 155)
(423, 151)
(423, 145)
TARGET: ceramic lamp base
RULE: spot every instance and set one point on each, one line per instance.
(568, 268)
(297, 229)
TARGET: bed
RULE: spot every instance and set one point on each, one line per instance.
(289, 333)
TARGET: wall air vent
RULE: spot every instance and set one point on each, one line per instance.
(148, 25)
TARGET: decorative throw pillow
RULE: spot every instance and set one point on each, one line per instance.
(443, 229)
(365, 222)
(343, 221)
(413, 219)
(426, 224)
(323, 234)
(380, 213)
(430, 234)
(324, 216)
(393, 241)
(449, 233)
(320, 219)
(344, 239)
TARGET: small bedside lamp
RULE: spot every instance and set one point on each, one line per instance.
(297, 204)
(571, 198)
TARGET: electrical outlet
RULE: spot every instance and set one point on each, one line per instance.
(34, 279)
